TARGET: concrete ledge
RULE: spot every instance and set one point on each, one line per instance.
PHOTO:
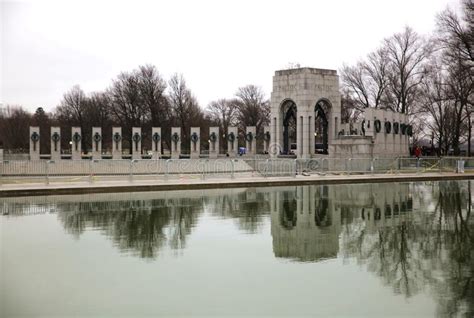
(139, 186)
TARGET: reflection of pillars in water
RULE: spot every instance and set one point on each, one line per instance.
(387, 206)
(294, 230)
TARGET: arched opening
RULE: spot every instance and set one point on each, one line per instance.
(289, 111)
(321, 123)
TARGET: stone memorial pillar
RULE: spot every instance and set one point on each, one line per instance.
(232, 142)
(266, 139)
(96, 143)
(55, 143)
(34, 143)
(213, 142)
(195, 140)
(136, 143)
(156, 142)
(369, 122)
(396, 132)
(250, 140)
(76, 148)
(117, 143)
(175, 142)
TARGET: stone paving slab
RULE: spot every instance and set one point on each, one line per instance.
(125, 185)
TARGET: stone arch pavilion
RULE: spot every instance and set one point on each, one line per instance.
(306, 120)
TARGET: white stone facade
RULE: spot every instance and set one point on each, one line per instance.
(195, 142)
(315, 95)
(97, 143)
(156, 142)
(116, 142)
(55, 143)
(266, 139)
(213, 142)
(251, 140)
(136, 143)
(175, 142)
(76, 145)
(34, 143)
(305, 87)
(232, 141)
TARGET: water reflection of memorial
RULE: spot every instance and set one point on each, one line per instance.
(413, 236)
(307, 221)
(305, 224)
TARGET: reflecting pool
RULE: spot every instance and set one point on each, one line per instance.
(388, 249)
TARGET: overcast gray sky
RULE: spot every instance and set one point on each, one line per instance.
(49, 46)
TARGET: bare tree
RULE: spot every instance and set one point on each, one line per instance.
(456, 38)
(14, 128)
(185, 109)
(355, 82)
(223, 113)
(435, 103)
(71, 112)
(253, 108)
(460, 88)
(455, 35)
(406, 53)
(367, 81)
(127, 104)
(349, 111)
(43, 121)
(98, 115)
(152, 91)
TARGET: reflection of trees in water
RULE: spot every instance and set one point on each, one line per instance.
(427, 249)
(248, 208)
(141, 228)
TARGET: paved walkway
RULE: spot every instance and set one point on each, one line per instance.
(125, 185)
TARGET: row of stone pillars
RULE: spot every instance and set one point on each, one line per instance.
(117, 138)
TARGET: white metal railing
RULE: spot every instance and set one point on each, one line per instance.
(46, 171)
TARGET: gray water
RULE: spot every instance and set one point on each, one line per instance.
(395, 249)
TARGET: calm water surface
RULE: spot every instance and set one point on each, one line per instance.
(398, 249)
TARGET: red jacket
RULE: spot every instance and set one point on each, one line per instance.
(417, 152)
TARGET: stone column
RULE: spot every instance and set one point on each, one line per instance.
(305, 153)
(278, 122)
(96, 143)
(274, 151)
(195, 142)
(213, 142)
(250, 141)
(34, 143)
(396, 139)
(55, 143)
(136, 143)
(156, 142)
(299, 136)
(76, 146)
(311, 131)
(266, 139)
(232, 141)
(175, 142)
(117, 143)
